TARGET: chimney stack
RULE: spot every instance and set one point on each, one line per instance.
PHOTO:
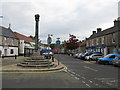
(99, 30)
(117, 22)
(94, 32)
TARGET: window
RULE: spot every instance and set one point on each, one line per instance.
(100, 40)
(12, 42)
(103, 39)
(92, 42)
(97, 40)
(113, 56)
(113, 38)
(5, 40)
(11, 51)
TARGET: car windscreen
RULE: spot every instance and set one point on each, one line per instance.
(107, 56)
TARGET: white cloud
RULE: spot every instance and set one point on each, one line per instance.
(59, 17)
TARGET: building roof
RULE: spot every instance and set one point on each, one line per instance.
(104, 32)
(23, 37)
(83, 43)
(7, 32)
(107, 31)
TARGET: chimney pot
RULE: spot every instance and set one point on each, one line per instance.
(117, 22)
(94, 32)
(99, 30)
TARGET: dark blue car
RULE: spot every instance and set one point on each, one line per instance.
(108, 59)
(45, 51)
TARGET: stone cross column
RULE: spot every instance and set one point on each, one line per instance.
(36, 31)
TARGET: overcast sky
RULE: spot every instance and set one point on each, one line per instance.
(58, 17)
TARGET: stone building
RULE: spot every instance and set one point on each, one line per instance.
(82, 46)
(106, 41)
(8, 42)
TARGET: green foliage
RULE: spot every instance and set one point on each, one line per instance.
(72, 43)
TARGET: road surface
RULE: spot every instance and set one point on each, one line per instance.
(80, 74)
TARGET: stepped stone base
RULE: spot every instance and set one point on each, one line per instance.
(37, 56)
(36, 60)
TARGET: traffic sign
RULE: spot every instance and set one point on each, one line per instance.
(58, 42)
(49, 40)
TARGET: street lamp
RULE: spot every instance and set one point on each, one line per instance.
(49, 40)
(58, 46)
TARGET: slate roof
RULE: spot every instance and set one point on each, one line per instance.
(104, 32)
(7, 32)
(23, 37)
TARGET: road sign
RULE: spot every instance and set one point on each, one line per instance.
(49, 40)
(58, 42)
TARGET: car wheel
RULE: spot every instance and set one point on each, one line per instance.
(97, 62)
(115, 65)
(106, 63)
(90, 59)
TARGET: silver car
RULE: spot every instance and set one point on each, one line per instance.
(94, 57)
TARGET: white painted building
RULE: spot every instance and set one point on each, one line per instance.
(26, 44)
(8, 42)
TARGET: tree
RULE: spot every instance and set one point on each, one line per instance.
(53, 45)
(72, 43)
(32, 37)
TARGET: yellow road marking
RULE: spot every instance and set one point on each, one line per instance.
(65, 68)
(89, 62)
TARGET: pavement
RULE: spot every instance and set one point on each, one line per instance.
(9, 64)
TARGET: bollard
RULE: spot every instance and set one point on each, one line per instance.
(2, 56)
(15, 56)
(52, 59)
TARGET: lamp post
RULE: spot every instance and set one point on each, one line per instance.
(49, 40)
(58, 46)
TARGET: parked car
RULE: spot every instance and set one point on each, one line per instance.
(43, 51)
(55, 51)
(88, 54)
(94, 57)
(108, 59)
(79, 55)
(116, 61)
(75, 55)
(47, 53)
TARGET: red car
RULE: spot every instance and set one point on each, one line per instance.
(55, 51)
